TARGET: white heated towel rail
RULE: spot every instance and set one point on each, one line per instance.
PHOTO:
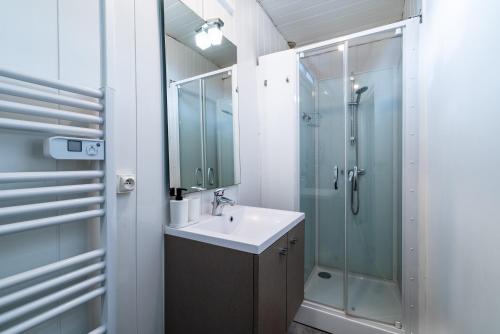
(24, 300)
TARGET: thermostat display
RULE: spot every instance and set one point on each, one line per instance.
(74, 145)
(67, 148)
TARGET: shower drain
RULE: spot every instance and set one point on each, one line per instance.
(324, 274)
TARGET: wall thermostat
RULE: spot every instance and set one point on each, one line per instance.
(67, 148)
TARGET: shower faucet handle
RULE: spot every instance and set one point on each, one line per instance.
(219, 192)
(351, 175)
(335, 177)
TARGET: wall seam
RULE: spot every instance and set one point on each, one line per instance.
(136, 172)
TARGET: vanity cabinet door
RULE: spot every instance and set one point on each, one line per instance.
(270, 269)
(295, 271)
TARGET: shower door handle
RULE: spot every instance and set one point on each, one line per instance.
(198, 176)
(211, 176)
(336, 177)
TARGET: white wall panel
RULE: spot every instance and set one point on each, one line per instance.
(412, 8)
(195, 5)
(269, 39)
(279, 126)
(151, 170)
(250, 40)
(123, 82)
(461, 127)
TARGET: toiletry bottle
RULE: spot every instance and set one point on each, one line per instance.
(179, 209)
(195, 204)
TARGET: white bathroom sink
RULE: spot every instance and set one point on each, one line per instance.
(243, 228)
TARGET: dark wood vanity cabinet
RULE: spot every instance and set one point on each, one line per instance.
(279, 282)
(211, 289)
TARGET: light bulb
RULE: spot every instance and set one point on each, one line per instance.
(202, 39)
(356, 86)
(215, 35)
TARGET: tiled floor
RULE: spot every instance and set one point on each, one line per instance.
(296, 328)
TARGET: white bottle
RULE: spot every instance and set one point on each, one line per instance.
(194, 209)
(179, 210)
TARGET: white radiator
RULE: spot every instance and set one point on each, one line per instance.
(29, 298)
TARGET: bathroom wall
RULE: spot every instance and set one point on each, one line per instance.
(138, 85)
(60, 39)
(45, 38)
(459, 86)
(256, 36)
(412, 8)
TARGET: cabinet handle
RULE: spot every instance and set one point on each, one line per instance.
(294, 241)
(283, 251)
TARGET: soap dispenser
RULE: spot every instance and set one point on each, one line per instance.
(179, 209)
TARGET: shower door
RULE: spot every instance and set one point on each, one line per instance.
(322, 171)
(350, 168)
(374, 153)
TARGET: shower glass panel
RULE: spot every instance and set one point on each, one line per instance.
(190, 137)
(322, 132)
(350, 169)
(374, 155)
(219, 151)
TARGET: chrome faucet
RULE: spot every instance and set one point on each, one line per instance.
(220, 201)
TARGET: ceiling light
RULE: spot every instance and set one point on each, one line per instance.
(341, 48)
(215, 35)
(209, 34)
(202, 39)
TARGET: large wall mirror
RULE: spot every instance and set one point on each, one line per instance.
(202, 100)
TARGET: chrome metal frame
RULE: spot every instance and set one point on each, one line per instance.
(327, 318)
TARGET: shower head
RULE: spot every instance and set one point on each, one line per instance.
(359, 92)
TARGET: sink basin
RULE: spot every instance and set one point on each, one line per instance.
(243, 228)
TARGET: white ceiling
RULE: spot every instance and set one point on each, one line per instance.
(308, 21)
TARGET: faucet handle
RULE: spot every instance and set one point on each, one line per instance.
(219, 192)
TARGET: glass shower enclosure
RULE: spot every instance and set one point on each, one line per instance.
(351, 153)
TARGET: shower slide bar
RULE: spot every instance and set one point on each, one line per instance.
(90, 273)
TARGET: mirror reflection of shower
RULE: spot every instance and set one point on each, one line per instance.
(356, 171)
(311, 118)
